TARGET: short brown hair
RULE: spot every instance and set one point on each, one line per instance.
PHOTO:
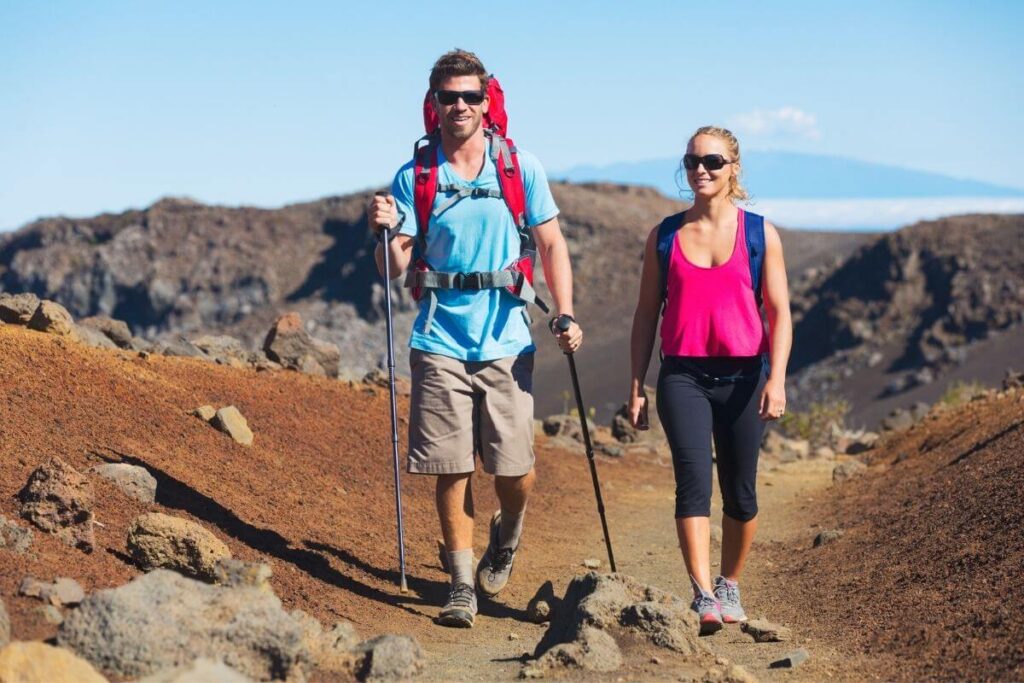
(457, 63)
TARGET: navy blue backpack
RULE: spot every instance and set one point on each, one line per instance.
(754, 229)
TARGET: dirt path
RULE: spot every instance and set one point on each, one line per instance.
(639, 497)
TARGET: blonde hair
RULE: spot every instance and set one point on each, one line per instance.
(736, 189)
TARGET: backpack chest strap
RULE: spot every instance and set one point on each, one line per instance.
(433, 279)
(459, 192)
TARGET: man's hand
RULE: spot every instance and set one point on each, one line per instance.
(569, 339)
(382, 212)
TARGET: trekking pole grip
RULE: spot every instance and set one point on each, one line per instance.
(563, 322)
(385, 234)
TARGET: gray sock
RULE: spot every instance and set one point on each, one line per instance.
(510, 529)
(460, 565)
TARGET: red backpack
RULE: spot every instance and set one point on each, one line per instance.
(517, 278)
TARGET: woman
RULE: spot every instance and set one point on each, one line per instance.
(722, 375)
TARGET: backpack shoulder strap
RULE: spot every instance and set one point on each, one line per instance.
(666, 236)
(425, 188)
(510, 179)
(753, 226)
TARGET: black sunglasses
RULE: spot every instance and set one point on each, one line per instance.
(712, 162)
(450, 97)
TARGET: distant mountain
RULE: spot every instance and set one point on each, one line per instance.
(792, 175)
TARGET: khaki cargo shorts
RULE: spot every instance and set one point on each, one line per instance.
(459, 408)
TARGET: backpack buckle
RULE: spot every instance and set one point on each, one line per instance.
(463, 281)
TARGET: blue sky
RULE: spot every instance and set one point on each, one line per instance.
(110, 105)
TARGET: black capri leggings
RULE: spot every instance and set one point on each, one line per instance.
(701, 398)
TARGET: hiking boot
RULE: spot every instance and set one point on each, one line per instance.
(728, 595)
(460, 609)
(708, 610)
(495, 566)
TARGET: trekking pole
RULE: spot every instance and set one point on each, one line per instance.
(563, 323)
(385, 239)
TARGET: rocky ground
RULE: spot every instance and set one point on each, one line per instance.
(879, 557)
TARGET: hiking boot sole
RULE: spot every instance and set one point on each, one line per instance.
(456, 619)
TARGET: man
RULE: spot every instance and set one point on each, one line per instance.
(472, 354)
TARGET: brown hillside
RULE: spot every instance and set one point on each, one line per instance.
(931, 567)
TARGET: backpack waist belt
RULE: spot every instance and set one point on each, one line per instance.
(513, 280)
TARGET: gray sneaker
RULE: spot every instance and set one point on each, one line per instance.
(708, 611)
(460, 609)
(728, 595)
(495, 566)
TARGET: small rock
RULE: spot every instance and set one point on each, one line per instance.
(847, 470)
(566, 426)
(827, 536)
(63, 591)
(919, 411)
(231, 422)
(792, 660)
(329, 650)
(763, 631)
(541, 605)
(179, 346)
(205, 413)
(222, 348)
(37, 662)
(592, 563)
(156, 540)
(17, 309)
(133, 480)
(59, 499)
(899, 420)
(610, 450)
(52, 614)
(389, 657)
(1011, 380)
(201, 670)
(52, 318)
(823, 453)
(513, 636)
(655, 660)
(622, 430)
(875, 358)
(231, 572)
(14, 537)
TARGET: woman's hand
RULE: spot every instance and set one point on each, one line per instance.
(773, 399)
(637, 409)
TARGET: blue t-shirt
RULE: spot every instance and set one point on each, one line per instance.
(476, 234)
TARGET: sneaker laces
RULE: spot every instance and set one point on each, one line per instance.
(727, 591)
(461, 596)
(502, 560)
(703, 601)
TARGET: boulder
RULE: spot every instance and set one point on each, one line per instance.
(610, 604)
(178, 346)
(783, 448)
(36, 662)
(156, 540)
(201, 670)
(791, 660)
(288, 343)
(63, 591)
(13, 537)
(222, 349)
(898, 420)
(5, 625)
(52, 318)
(389, 658)
(847, 470)
(116, 331)
(567, 426)
(133, 480)
(58, 499)
(622, 429)
(332, 650)
(163, 620)
(17, 309)
(92, 338)
(231, 422)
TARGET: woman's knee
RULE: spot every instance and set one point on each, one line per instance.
(742, 509)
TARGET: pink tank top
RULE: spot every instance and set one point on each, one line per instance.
(712, 311)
